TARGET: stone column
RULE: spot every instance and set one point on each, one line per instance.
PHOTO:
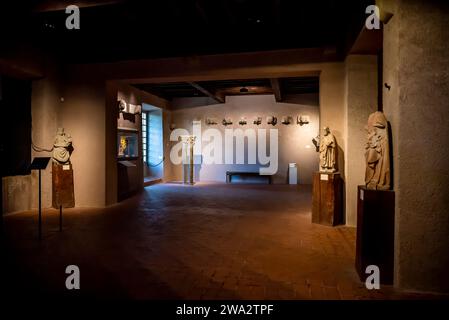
(416, 46)
(187, 158)
(361, 101)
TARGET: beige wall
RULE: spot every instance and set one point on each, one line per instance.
(83, 116)
(361, 101)
(295, 141)
(17, 193)
(20, 193)
(390, 107)
(332, 107)
(348, 94)
(416, 42)
(166, 121)
(76, 103)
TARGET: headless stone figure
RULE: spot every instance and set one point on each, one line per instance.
(62, 147)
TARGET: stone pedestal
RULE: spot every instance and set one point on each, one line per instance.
(188, 158)
(187, 173)
(375, 232)
(63, 194)
(327, 198)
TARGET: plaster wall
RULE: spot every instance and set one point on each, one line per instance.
(167, 120)
(17, 193)
(83, 116)
(416, 42)
(78, 105)
(295, 141)
(332, 107)
(20, 193)
(361, 101)
(391, 110)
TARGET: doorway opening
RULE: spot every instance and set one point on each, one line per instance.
(152, 144)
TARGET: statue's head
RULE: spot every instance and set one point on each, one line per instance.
(377, 120)
(60, 132)
(326, 131)
(121, 105)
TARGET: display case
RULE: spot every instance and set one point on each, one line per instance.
(127, 144)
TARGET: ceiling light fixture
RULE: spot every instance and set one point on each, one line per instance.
(244, 90)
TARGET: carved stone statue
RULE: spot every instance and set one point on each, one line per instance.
(316, 143)
(377, 154)
(62, 147)
(122, 105)
(328, 152)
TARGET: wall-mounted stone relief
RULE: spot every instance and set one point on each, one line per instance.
(272, 120)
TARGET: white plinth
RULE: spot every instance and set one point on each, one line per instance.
(292, 173)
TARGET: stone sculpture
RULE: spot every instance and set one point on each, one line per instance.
(377, 153)
(62, 147)
(286, 120)
(328, 152)
(242, 121)
(122, 107)
(316, 143)
(227, 121)
(258, 121)
(272, 120)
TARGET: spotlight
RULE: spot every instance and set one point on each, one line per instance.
(244, 90)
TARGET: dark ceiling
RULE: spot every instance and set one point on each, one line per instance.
(125, 30)
(217, 90)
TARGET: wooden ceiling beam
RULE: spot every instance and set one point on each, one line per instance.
(201, 11)
(52, 5)
(236, 91)
(276, 86)
(218, 98)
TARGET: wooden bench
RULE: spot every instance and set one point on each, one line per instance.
(229, 175)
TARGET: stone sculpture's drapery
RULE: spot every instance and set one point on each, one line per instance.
(62, 147)
(377, 153)
(328, 152)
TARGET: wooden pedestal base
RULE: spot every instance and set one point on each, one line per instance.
(327, 200)
(63, 194)
(375, 233)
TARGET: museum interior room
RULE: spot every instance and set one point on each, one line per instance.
(225, 150)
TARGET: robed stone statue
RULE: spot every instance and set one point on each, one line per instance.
(377, 153)
(62, 147)
(328, 152)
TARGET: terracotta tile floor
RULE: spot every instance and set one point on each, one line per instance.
(208, 241)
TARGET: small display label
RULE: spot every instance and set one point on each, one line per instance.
(66, 167)
(361, 194)
(324, 177)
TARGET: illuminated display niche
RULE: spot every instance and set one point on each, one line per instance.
(127, 144)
